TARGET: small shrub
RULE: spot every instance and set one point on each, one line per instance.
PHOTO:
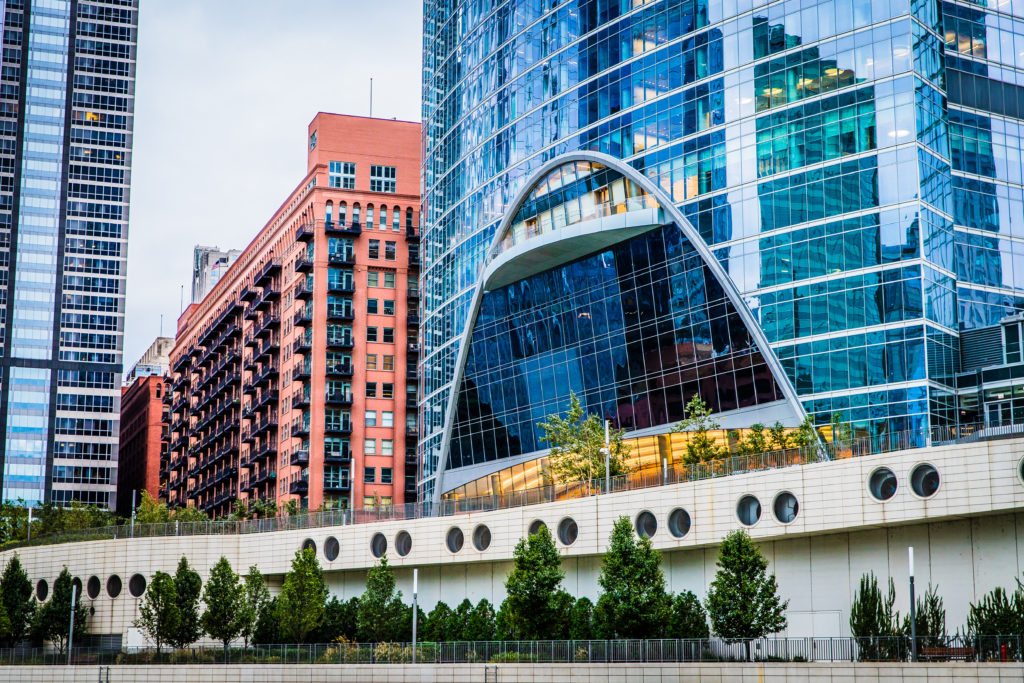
(513, 658)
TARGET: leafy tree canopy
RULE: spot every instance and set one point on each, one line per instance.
(743, 600)
(577, 443)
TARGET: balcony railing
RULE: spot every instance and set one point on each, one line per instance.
(675, 474)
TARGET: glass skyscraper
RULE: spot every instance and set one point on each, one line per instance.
(66, 109)
(854, 166)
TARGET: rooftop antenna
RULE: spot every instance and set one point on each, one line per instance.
(371, 97)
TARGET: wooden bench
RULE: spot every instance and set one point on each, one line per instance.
(946, 653)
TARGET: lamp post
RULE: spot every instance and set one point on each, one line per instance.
(71, 629)
(415, 582)
(29, 522)
(607, 458)
(133, 513)
(913, 616)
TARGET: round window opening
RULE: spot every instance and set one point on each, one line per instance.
(309, 544)
(786, 507)
(114, 585)
(646, 524)
(481, 538)
(924, 479)
(92, 587)
(137, 585)
(748, 510)
(42, 590)
(403, 543)
(378, 545)
(331, 548)
(454, 540)
(536, 525)
(1020, 470)
(568, 531)
(882, 484)
(679, 522)
(76, 583)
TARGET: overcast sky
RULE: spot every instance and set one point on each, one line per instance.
(224, 92)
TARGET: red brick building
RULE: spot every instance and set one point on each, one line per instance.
(144, 435)
(294, 379)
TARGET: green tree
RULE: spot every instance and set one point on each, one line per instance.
(531, 610)
(239, 510)
(267, 629)
(700, 447)
(381, 611)
(479, 624)
(634, 603)
(5, 624)
(52, 622)
(743, 600)
(581, 620)
(224, 596)
(300, 606)
(805, 434)
(462, 612)
(188, 587)
(16, 596)
(688, 620)
(841, 431)
(439, 624)
(263, 509)
(756, 440)
(577, 444)
(188, 514)
(997, 613)
(151, 511)
(158, 611)
(255, 597)
(341, 620)
(290, 508)
(873, 620)
(929, 619)
(778, 438)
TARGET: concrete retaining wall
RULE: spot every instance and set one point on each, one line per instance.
(516, 673)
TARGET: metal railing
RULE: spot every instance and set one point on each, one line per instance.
(810, 649)
(673, 474)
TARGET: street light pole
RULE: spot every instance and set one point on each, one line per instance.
(415, 582)
(71, 629)
(133, 513)
(607, 458)
(30, 522)
(913, 615)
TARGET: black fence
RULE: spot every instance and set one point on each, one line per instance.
(842, 649)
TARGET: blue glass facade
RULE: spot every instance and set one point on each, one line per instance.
(66, 103)
(831, 154)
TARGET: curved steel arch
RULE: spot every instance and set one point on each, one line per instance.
(675, 215)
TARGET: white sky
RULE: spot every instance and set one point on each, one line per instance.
(224, 92)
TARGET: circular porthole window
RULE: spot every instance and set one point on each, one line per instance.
(114, 585)
(137, 585)
(882, 484)
(309, 544)
(76, 583)
(331, 548)
(646, 524)
(1020, 470)
(924, 480)
(481, 537)
(42, 590)
(535, 526)
(748, 510)
(679, 523)
(786, 507)
(92, 587)
(568, 531)
(403, 543)
(378, 545)
(454, 539)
